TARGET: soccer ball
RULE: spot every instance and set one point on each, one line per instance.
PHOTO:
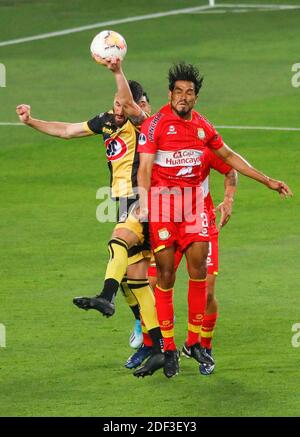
(109, 43)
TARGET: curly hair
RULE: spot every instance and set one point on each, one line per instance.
(187, 72)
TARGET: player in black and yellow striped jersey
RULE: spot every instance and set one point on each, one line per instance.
(120, 138)
(129, 249)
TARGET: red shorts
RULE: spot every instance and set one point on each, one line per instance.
(212, 258)
(177, 217)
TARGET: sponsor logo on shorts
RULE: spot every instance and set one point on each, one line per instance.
(163, 234)
(203, 232)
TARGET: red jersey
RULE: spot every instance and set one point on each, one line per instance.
(178, 145)
(210, 160)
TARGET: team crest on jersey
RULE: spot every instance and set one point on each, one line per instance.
(163, 234)
(201, 133)
(115, 148)
(142, 139)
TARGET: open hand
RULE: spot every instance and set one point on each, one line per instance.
(225, 208)
(113, 63)
(281, 187)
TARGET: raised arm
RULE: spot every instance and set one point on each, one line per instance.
(225, 207)
(131, 108)
(54, 128)
(242, 166)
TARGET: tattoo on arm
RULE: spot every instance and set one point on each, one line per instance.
(137, 120)
(232, 178)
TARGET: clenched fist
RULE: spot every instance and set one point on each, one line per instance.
(23, 112)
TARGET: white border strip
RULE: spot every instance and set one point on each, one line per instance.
(288, 129)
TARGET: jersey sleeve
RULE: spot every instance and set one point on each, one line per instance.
(148, 137)
(214, 139)
(97, 123)
(217, 163)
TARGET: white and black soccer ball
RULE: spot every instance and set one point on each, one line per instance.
(109, 43)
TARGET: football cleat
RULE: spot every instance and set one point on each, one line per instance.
(98, 303)
(198, 353)
(171, 367)
(155, 362)
(206, 369)
(138, 357)
(136, 337)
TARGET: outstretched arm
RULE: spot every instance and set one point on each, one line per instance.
(132, 109)
(54, 128)
(241, 165)
(225, 207)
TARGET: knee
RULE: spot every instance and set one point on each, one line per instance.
(166, 278)
(198, 271)
(126, 235)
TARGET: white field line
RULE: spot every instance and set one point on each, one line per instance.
(270, 128)
(289, 129)
(218, 9)
(140, 18)
(103, 24)
(11, 124)
(264, 5)
(231, 8)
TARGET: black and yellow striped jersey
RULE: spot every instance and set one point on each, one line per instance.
(121, 152)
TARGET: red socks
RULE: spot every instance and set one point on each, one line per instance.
(207, 329)
(196, 306)
(147, 339)
(165, 314)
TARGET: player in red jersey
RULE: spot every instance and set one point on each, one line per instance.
(208, 161)
(171, 145)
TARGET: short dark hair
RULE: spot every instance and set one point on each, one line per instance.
(183, 71)
(136, 90)
(146, 97)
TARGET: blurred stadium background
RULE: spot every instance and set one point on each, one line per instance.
(59, 361)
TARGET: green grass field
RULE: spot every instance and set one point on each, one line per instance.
(60, 361)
